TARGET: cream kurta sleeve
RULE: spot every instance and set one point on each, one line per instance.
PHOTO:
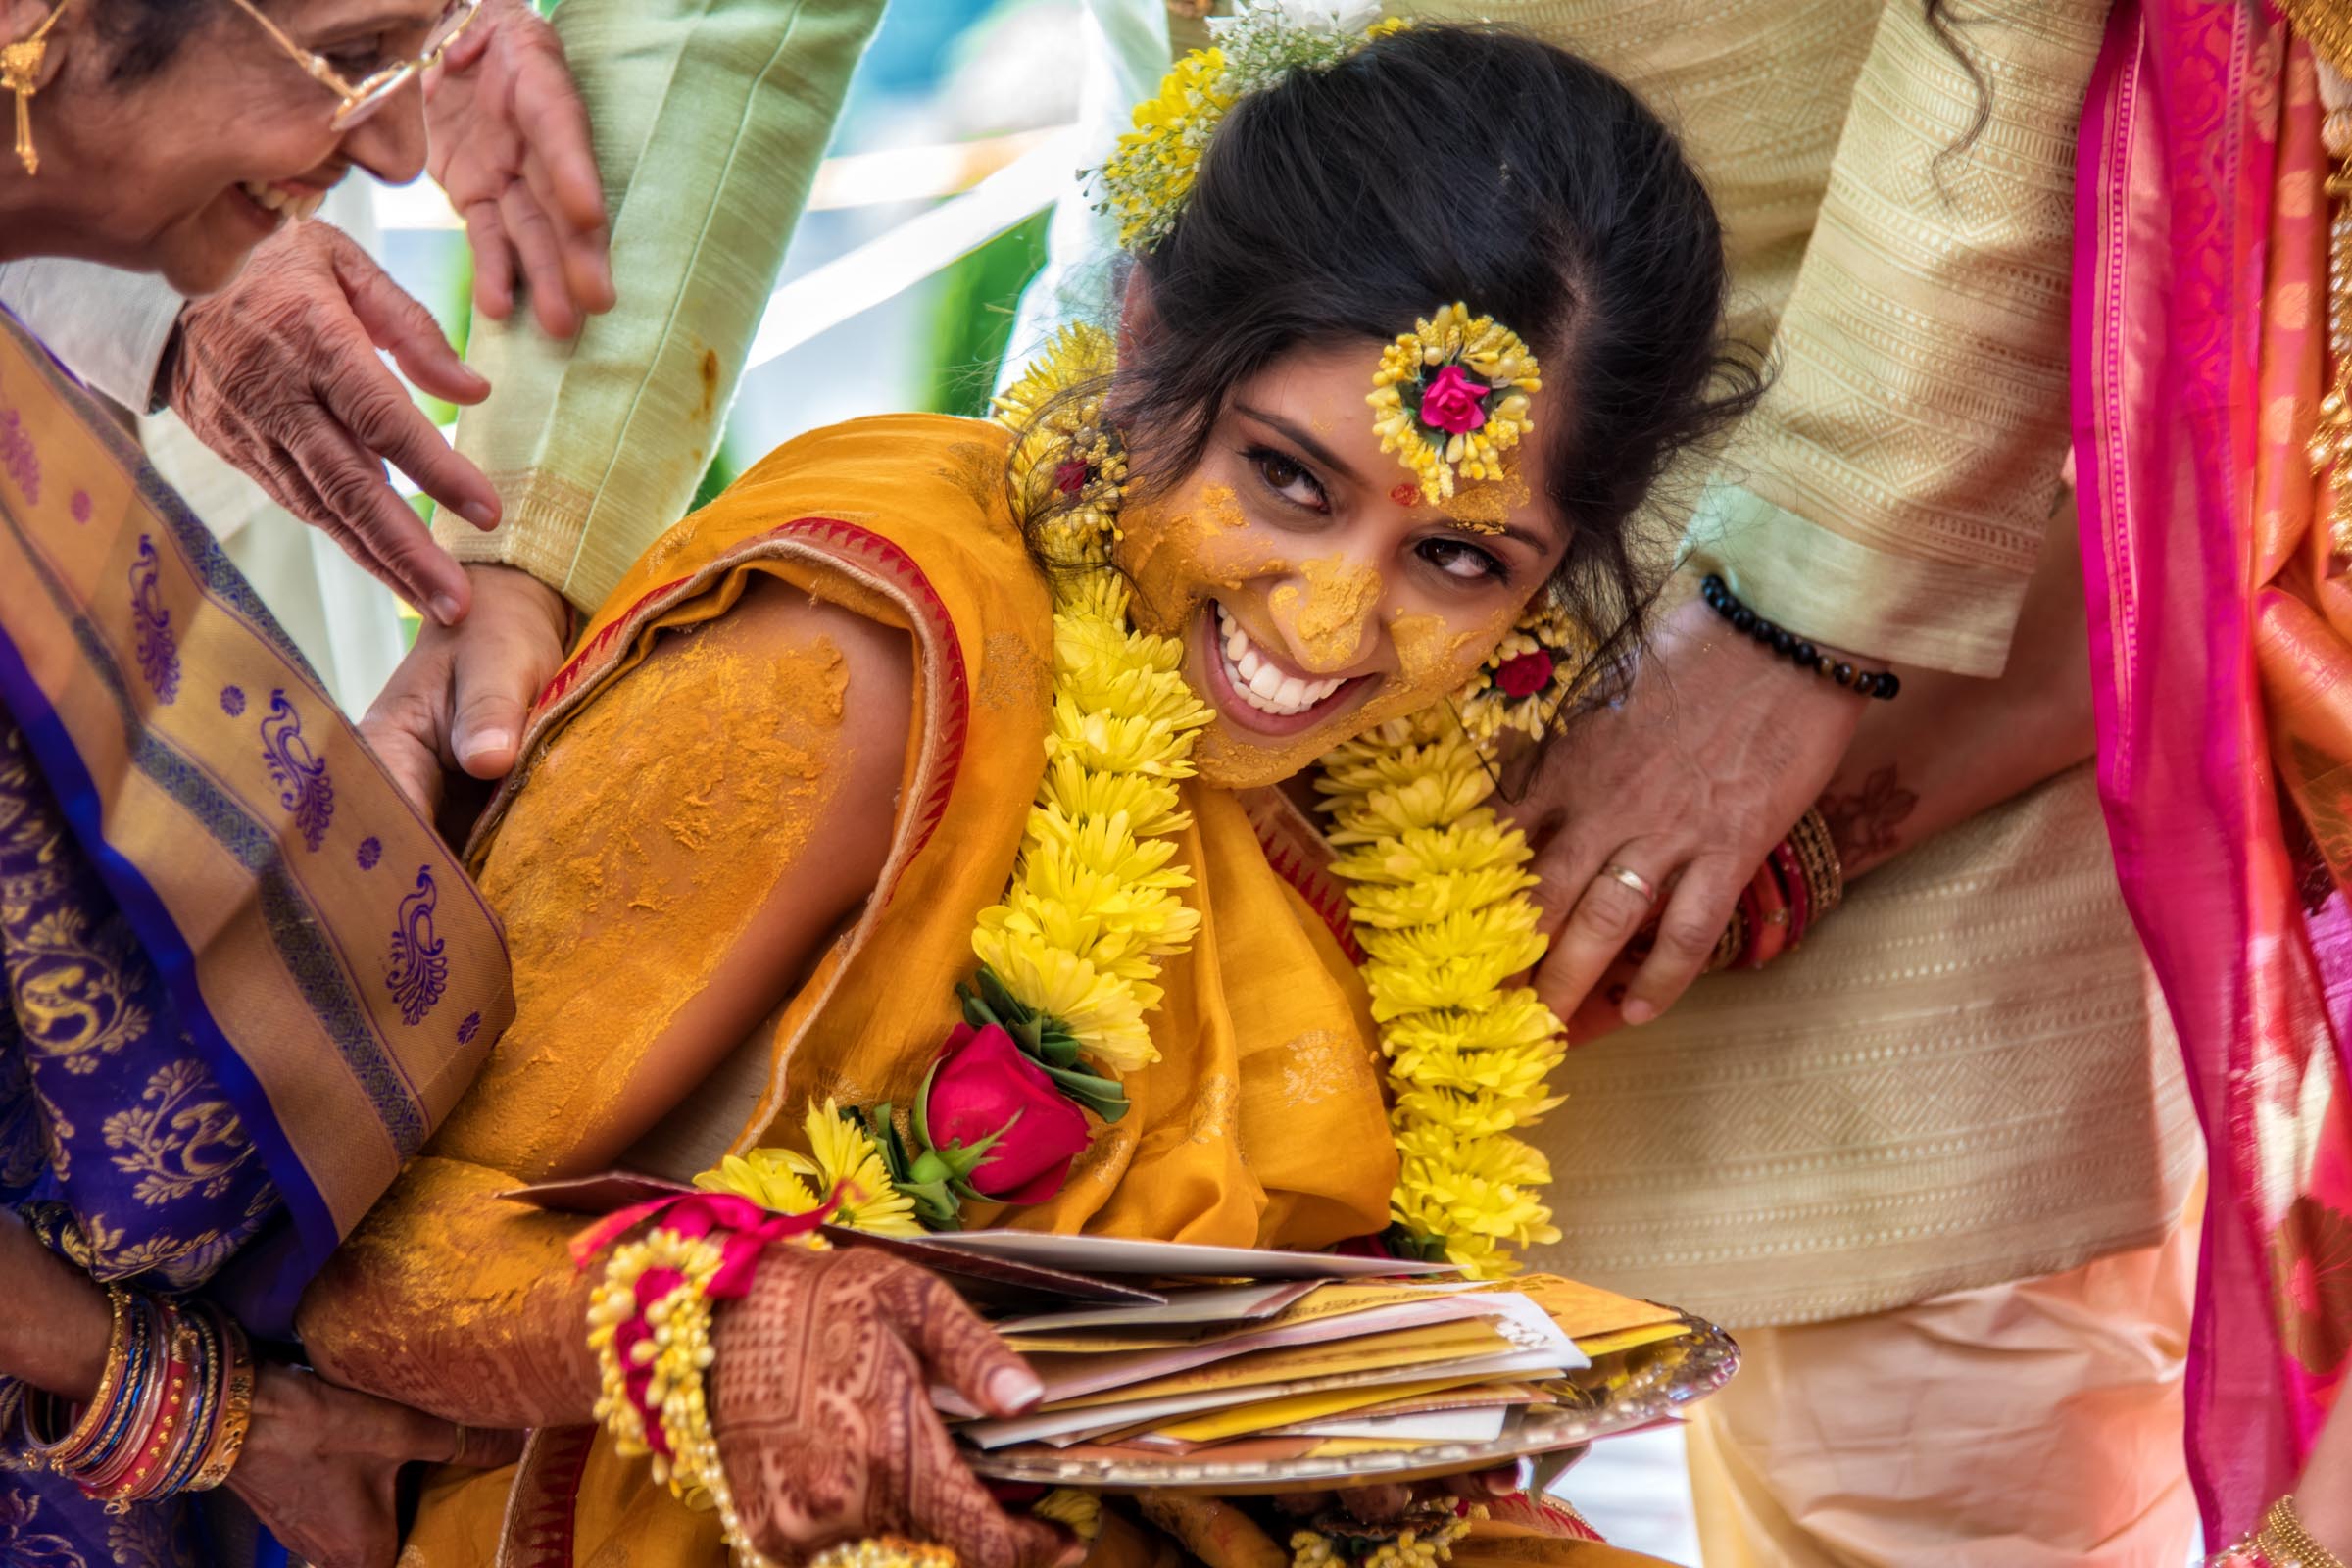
(1891, 492)
(725, 107)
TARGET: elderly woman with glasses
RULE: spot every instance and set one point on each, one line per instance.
(244, 979)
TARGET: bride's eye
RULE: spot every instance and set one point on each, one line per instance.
(1287, 480)
(1457, 558)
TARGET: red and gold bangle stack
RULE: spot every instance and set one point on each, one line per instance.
(170, 1411)
(1799, 885)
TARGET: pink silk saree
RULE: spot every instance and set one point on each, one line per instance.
(2222, 656)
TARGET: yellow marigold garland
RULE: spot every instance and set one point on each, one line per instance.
(1096, 900)
(1439, 891)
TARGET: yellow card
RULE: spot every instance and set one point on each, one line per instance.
(1096, 1343)
(1241, 1420)
(1349, 1448)
(1436, 1343)
(1601, 1344)
(1586, 1309)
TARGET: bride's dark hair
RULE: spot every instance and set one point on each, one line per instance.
(1442, 164)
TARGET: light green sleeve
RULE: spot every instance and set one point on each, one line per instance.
(725, 107)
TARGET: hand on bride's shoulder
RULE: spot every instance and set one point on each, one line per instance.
(821, 1405)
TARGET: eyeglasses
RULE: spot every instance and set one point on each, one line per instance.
(361, 99)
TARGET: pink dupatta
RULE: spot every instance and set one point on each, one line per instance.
(2219, 652)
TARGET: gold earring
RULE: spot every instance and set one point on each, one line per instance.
(21, 73)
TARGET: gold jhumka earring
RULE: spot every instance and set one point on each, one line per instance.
(21, 73)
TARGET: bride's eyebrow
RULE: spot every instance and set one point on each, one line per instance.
(1305, 442)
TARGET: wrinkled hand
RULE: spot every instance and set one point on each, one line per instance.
(1687, 783)
(321, 1462)
(278, 374)
(509, 146)
(820, 1402)
(459, 699)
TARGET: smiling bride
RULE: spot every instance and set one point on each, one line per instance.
(1129, 749)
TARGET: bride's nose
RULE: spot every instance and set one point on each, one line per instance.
(1328, 611)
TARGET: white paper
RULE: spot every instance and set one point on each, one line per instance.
(1217, 1304)
(1123, 1255)
(1428, 1426)
(1095, 1419)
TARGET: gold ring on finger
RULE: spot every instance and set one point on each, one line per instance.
(1632, 879)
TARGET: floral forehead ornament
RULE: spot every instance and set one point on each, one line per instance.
(1451, 397)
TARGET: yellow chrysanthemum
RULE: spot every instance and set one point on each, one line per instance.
(1150, 805)
(842, 1160)
(1439, 892)
(765, 1176)
(1471, 843)
(1151, 172)
(1510, 1018)
(1102, 1011)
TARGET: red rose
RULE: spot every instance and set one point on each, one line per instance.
(1525, 676)
(1070, 477)
(982, 1083)
(1454, 403)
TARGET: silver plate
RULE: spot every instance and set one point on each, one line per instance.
(1616, 1395)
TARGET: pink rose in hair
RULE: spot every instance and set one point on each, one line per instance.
(1454, 403)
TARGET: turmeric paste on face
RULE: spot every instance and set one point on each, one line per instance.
(649, 834)
(1327, 618)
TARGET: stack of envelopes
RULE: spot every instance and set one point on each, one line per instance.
(1172, 1364)
(1330, 1357)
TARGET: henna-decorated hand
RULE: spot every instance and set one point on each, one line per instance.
(821, 1401)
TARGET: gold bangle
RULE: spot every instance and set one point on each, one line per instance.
(52, 1456)
(236, 1407)
(1730, 945)
(1817, 855)
(2284, 1539)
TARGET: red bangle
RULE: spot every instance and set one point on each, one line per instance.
(1767, 919)
(1792, 875)
(121, 1484)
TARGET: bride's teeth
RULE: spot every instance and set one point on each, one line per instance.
(307, 207)
(1260, 682)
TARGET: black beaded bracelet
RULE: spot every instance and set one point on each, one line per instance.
(1881, 683)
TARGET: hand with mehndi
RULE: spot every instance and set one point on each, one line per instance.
(279, 375)
(1687, 785)
(508, 144)
(820, 1402)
